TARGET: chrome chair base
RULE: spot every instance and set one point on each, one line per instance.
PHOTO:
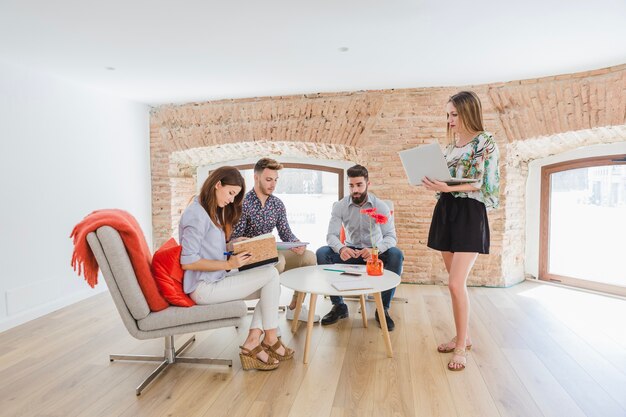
(280, 308)
(170, 356)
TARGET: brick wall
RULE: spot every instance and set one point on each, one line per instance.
(370, 127)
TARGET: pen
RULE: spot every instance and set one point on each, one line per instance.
(228, 253)
(334, 270)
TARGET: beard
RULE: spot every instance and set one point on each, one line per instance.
(360, 199)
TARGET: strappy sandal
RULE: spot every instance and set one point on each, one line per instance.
(457, 365)
(445, 347)
(249, 359)
(273, 350)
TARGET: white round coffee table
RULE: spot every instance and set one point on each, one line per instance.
(318, 279)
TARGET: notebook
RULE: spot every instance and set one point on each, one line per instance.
(428, 161)
(262, 249)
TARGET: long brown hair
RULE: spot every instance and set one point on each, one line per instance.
(224, 217)
(470, 112)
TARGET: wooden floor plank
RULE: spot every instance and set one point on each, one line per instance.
(429, 383)
(590, 397)
(316, 393)
(506, 388)
(548, 394)
(469, 391)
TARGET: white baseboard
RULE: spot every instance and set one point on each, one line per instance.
(36, 312)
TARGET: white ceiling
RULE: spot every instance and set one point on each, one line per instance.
(196, 50)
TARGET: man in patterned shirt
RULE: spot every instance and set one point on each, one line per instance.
(262, 212)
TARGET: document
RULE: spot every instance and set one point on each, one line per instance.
(352, 284)
(262, 249)
(289, 245)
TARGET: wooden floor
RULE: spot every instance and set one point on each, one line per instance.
(539, 350)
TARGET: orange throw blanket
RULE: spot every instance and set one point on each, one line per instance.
(84, 261)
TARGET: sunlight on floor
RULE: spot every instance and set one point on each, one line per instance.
(579, 308)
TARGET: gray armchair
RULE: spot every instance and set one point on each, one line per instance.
(141, 323)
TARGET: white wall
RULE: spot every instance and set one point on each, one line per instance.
(65, 150)
(533, 194)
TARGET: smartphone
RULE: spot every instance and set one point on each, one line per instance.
(354, 274)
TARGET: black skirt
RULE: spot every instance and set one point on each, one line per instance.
(459, 225)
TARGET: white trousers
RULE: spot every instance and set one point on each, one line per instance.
(262, 283)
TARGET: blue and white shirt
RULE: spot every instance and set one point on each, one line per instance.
(357, 225)
(200, 239)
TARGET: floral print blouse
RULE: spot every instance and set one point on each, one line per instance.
(477, 159)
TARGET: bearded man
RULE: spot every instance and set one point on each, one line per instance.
(360, 239)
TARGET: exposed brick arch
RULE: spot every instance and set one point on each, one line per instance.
(535, 108)
(319, 118)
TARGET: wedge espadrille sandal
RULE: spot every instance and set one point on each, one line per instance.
(249, 360)
(272, 350)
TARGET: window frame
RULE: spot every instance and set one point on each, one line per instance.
(339, 171)
(544, 222)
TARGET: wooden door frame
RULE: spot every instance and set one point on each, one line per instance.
(544, 221)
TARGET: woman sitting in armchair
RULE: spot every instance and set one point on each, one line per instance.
(211, 277)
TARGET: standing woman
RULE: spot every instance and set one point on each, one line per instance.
(459, 228)
(211, 277)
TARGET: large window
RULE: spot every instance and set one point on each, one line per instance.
(308, 192)
(583, 223)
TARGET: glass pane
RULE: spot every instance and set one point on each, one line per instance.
(308, 196)
(588, 224)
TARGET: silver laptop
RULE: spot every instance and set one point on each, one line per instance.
(428, 161)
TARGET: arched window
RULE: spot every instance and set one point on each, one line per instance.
(583, 223)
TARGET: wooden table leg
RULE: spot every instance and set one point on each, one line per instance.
(383, 323)
(296, 313)
(309, 327)
(363, 310)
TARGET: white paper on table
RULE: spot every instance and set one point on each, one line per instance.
(351, 284)
(290, 245)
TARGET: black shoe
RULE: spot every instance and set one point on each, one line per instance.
(339, 311)
(390, 324)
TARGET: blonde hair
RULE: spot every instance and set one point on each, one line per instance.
(470, 112)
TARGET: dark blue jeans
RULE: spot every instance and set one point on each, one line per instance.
(392, 258)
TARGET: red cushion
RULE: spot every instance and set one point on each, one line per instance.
(168, 274)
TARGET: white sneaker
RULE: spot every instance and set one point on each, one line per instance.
(304, 314)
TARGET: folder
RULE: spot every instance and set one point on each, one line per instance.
(262, 249)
